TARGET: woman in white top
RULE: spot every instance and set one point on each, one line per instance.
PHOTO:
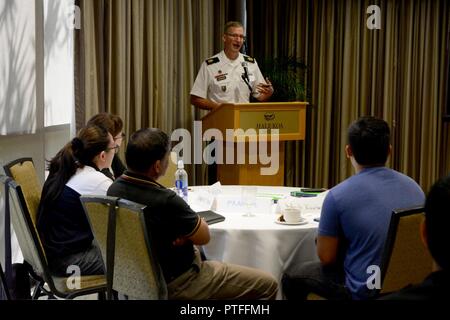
(62, 223)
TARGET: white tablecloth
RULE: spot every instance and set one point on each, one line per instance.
(258, 241)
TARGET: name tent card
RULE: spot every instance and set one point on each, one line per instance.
(236, 204)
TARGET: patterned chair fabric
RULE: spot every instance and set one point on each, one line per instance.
(33, 253)
(24, 173)
(405, 260)
(131, 267)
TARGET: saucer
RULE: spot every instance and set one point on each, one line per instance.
(302, 221)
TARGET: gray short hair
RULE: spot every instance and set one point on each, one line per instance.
(232, 24)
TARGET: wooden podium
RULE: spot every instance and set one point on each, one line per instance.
(288, 117)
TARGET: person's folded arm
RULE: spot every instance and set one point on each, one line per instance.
(201, 236)
(203, 103)
(327, 249)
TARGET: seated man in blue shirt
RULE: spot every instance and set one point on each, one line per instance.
(355, 219)
(434, 232)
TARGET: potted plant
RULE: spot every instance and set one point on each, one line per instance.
(287, 75)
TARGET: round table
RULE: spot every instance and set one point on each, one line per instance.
(259, 241)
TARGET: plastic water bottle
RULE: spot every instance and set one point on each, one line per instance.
(181, 181)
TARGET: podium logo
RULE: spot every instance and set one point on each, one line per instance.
(231, 149)
(269, 116)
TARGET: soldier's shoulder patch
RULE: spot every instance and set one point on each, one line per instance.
(213, 60)
(249, 59)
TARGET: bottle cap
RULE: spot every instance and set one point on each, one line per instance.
(180, 164)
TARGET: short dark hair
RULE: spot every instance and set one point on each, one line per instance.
(145, 147)
(232, 24)
(369, 139)
(111, 122)
(437, 217)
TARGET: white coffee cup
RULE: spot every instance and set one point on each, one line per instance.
(292, 215)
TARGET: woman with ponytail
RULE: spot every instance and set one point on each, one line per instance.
(62, 223)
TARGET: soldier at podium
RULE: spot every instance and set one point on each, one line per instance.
(230, 76)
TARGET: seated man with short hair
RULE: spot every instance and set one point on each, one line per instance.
(175, 229)
(355, 219)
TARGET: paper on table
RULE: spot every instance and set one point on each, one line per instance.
(312, 206)
(227, 203)
(309, 206)
(200, 200)
(215, 188)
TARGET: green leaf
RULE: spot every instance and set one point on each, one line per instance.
(288, 75)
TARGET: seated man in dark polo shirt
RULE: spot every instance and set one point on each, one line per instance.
(175, 229)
